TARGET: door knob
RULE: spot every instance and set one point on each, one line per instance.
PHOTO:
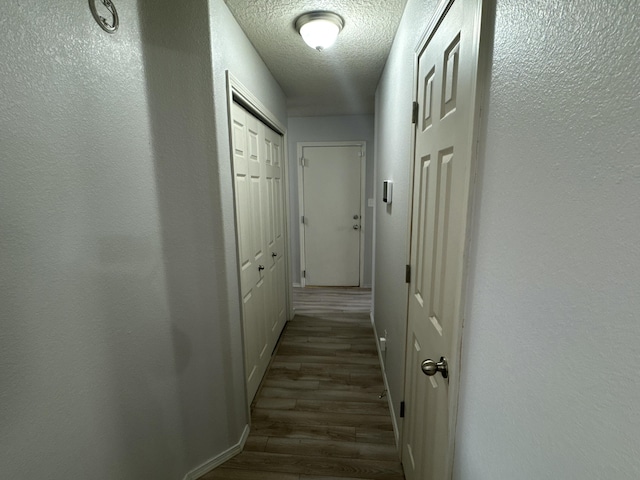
(356, 217)
(260, 268)
(356, 227)
(274, 254)
(430, 367)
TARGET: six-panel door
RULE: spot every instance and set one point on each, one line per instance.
(258, 174)
(442, 169)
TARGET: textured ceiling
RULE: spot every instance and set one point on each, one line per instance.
(338, 81)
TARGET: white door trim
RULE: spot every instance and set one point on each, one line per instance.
(363, 176)
(235, 89)
(480, 79)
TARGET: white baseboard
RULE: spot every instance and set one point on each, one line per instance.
(396, 428)
(218, 460)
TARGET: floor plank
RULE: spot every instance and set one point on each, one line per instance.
(295, 417)
(224, 473)
(330, 395)
(309, 432)
(319, 448)
(310, 465)
(353, 359)
(366, 408)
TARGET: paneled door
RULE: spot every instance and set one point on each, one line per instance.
(442, 171)
(275, 233)
(259, 201)
(331, 216)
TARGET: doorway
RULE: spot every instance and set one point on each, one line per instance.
(331, 186)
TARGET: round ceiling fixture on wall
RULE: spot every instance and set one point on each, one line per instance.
(319, 29)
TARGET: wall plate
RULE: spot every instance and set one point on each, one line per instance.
(387, 191)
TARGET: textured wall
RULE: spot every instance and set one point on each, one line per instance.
(550, 383)
(393, 159)
(120, 353)
(329, 129)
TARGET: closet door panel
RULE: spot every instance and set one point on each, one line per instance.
(249, 198)
(260, 214)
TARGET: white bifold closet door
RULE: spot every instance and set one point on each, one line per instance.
(259, 197)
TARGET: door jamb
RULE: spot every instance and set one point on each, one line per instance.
(363, 179)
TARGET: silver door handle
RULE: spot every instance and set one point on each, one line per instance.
(356, 227)
(430, 367)
(274, 254)
(260, 268)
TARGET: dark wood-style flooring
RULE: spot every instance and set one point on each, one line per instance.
(318, 415)
(313, 300)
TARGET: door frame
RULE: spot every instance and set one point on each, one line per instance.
(481, 80)
(363, 178)
(238, 93)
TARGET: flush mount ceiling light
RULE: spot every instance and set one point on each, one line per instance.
(319, 30)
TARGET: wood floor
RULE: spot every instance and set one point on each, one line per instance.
(312, 300)
(318, 415)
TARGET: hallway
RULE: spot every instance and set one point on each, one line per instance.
(122, 350)
(318, 414)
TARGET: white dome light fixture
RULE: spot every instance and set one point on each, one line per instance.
(319, 30)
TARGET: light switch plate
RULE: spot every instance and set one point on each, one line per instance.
(387, 191)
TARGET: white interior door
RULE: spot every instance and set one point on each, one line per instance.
(258, 173)
(275, 233)
(249, 172)
(447, 69)
(332, 214)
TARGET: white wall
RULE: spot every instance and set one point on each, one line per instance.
(120, 348)
(550, 383)
(549, 379)
(393, 132)
(329, 129)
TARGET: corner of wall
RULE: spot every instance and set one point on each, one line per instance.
(219, 459)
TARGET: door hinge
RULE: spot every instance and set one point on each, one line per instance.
(407, 274)
(302, 219)
(361, 154)
(304, 274)
(402, 409)
(414, 114)
(303, 162)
